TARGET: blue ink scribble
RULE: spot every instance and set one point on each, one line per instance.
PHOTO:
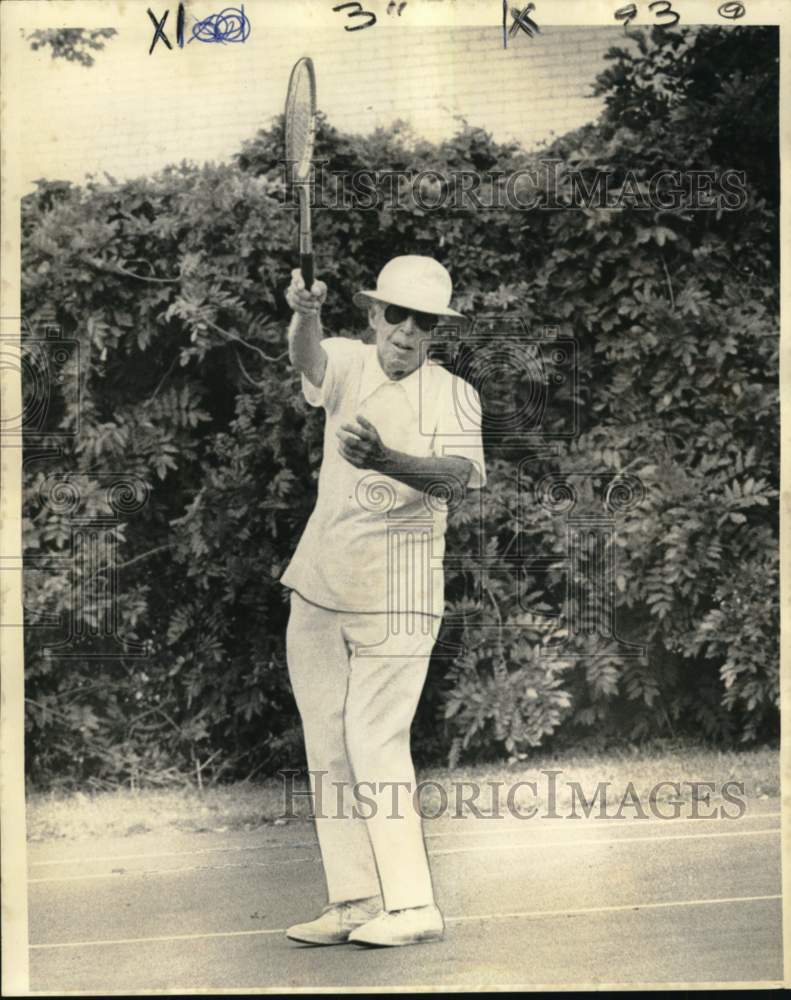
(230, 25)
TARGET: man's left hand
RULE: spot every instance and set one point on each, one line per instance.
(361, 445)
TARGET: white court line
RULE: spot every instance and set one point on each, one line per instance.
(169, 871)
(524, 846)
(529, 915)
(173, 854)
(525, 915)
(489, 832)
(616, 824)
(603, 840)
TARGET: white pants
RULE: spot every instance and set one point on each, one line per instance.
(357, 709)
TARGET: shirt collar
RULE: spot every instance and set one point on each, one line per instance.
(373, 376)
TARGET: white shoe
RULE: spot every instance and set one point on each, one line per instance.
(399, 927)
(336, 922)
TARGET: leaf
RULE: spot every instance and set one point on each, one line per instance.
(662, 234)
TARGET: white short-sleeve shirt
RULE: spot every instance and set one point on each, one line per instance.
(372, 543)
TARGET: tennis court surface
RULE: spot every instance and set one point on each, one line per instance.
(551, 902)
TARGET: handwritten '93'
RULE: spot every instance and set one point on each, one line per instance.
(660, 9)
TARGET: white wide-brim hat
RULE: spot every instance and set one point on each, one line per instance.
(414, 282)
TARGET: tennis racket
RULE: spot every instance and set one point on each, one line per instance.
(300, 133)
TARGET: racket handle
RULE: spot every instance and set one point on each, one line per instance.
(306, 266)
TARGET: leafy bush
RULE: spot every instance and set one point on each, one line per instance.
(172, 286)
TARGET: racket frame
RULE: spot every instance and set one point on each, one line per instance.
(302, 183)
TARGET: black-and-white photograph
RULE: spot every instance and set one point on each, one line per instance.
(391, 495)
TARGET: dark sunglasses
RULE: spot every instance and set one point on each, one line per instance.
(398, 314)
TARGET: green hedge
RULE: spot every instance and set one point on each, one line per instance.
(173, 287)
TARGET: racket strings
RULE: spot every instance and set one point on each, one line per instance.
(300, 124)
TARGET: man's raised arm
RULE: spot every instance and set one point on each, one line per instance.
(305, 333)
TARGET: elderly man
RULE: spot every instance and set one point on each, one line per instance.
(367, 591)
